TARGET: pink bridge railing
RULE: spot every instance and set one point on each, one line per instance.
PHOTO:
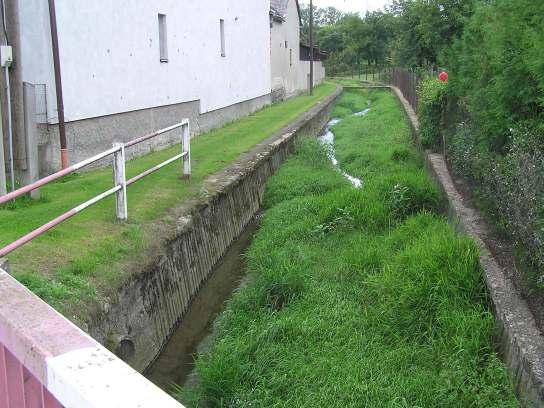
(45, 360)
(119, 176)
(48, 362)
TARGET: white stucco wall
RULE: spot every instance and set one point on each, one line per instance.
(292, 78)
(285, 75)
(303, 74)
(36, 56)
(110, 53)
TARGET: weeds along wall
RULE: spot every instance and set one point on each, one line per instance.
(506, 171)
(517, 330)
(151, 305)
(494, 120)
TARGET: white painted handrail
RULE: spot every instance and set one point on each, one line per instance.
(119, 175)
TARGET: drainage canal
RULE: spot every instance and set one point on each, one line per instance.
(176, 362)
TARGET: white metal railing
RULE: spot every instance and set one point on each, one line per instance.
(119, 176)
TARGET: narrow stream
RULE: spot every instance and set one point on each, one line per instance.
(176, 363)
(327, 140)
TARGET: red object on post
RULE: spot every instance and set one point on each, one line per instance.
(443, 76)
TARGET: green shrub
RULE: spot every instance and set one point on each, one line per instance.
(517, 179)
(497, 69)
(404, 200)
(509, 186)
(432, 103)
(401, 155)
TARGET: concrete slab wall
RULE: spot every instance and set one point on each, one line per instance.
(220, 117)
(92, 136)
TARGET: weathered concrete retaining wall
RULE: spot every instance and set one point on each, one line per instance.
(88, 137)
(521, 342)
(153, 302)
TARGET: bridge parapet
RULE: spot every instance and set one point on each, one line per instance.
(48, 362)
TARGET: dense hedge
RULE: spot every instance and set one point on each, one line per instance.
(498, 69)
(494, 118)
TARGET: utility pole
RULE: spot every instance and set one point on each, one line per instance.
(58, 85)
(3, 187)
(311, 47)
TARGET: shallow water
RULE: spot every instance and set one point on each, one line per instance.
(327, 140)
(175, 364)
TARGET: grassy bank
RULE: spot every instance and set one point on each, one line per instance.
(84, 259)
(362, 298)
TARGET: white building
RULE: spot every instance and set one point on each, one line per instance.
(132, 67)
(290, 56)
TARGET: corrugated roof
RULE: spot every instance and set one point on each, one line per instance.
(278, 9)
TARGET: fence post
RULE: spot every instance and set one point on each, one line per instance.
(186, 148)
(31, 137)
(119, 178)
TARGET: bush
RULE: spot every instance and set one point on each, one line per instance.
(432, 103)
(497, 83)
(518, 180)
(510, 185)
(498, 71)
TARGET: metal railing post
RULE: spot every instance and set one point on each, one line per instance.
(186, 148)
(119, 179)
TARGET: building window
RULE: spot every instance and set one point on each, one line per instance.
(222, 30)
(163, 38)
(286, 44)
(290, 57)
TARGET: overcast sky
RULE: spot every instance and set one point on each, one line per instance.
(351, 5)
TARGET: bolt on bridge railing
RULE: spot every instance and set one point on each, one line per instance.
(119, 176)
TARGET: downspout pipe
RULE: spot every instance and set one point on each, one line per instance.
(58, 85)
(10, 131)
(9, 119)
(311, 47)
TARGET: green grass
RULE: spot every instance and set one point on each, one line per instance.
(356, 81)
(356, 298)
(82, 260)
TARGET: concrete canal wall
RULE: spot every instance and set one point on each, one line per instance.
(193, 240)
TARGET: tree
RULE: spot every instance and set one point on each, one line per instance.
(427, 29)
(322, 17)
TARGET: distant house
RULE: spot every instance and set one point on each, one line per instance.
(290, 57)
(129, 68)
